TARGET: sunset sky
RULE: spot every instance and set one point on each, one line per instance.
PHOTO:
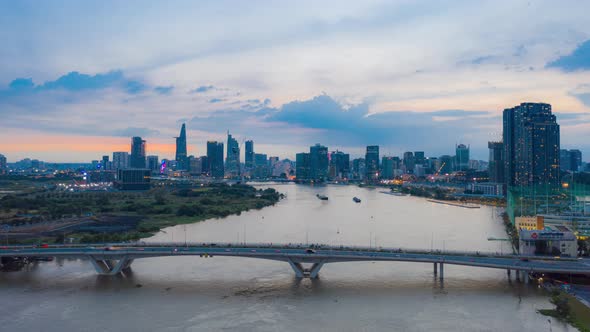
(79, 78)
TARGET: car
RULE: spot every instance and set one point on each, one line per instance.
(524, 259)
(309, 251)
(44, 245)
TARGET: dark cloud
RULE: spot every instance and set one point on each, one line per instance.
(579, 59)
(164, 90)
(202, 89)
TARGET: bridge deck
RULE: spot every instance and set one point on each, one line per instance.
(319, 254)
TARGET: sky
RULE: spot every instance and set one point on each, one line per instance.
(79, 78)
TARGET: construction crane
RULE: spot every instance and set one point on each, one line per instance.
(440, 168)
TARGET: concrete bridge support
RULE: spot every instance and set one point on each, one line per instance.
(111, 267)
(435, 268)
(441, 272)
(302, 272)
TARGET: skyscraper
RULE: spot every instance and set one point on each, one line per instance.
(565, 160)
(318, 156)
(2, 164)
(409, 162)
(120, 160)
(576, 160)
(496, 162)
(388, 166)
(372, 162)
(181, 153)
(215, 159)
(105, 164)
(153, 164)
(137, 159)
(358, 169)
(447, 164)
(570, 160)
(302, 165)
(249, 154)
(419, 158)
(339, 164)
(232, 159)
(531, 145)
(461, 157)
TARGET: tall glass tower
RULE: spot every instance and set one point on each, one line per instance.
(137, 158)
(181, 154)
(531, 145)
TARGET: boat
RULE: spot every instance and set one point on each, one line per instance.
(393, 193)
(356, 199)
(322, 197)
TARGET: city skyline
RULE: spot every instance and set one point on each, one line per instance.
(346, 89)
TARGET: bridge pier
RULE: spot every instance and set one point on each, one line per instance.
(508, 273)
(435, 269)
(110, 267)
(302, 272)
(441, 271)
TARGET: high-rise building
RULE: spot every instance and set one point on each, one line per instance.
(388, 166)
(3, 165)
(409, 162)
(249, 160)
(461, 157)
(358, 169)
(576, 160)
(570, 160)
(215, 159)
(181, 153)
(153, 164)
(318, 156)
(302, 166)
(531, 145)
(496, 162)
(105, 164)
(565, 160)
(419, 158)
(372, 162)
(261, 166)
(446, 164)
(137, 158)
(195, 165)
(232, 159)
(120, 160)
(339, 164)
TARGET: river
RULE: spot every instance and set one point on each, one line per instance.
(242, 294)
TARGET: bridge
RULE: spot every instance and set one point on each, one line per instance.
(305, 260)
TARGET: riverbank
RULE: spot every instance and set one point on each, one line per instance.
(569, 309)
(452, 203)
(151, 211)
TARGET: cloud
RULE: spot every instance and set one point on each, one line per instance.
(76, 82)
(133, 131)
(22, 84)
(579, 59)
(202, 89)
(323, 119)
(164, 90)
(216, 100)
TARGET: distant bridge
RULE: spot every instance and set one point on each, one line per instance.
(112, 259)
